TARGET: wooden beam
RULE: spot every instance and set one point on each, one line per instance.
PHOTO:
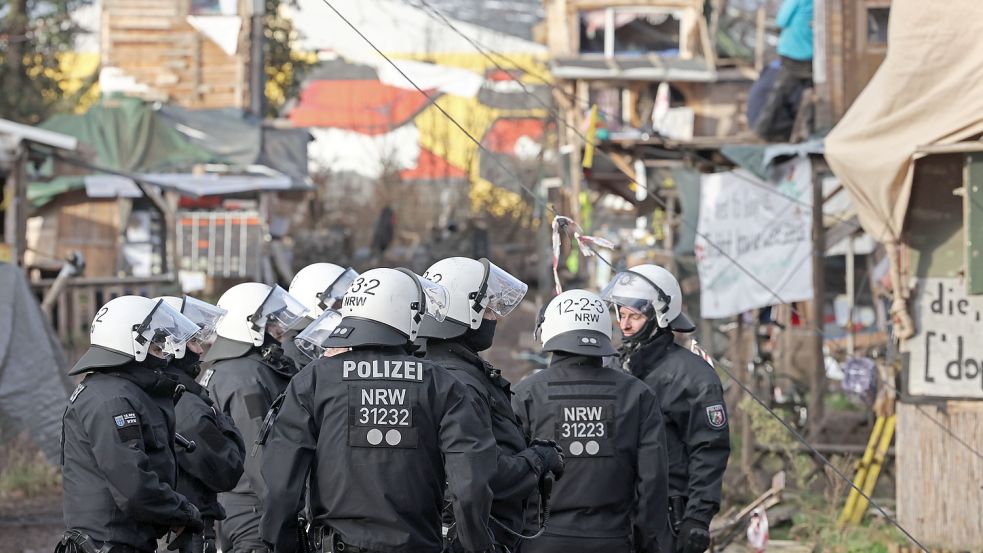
(15, 231)
(623, 163)
(759, 40)
(166, 203)
(969, 147)
(817, 387)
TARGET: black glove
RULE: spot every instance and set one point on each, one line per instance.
(188, 542)
(195, 524)
(551, 455)
(694, 536)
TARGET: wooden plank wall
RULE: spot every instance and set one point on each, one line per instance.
(74, 222)
(938, 483)
(850, 61)
(152, 41)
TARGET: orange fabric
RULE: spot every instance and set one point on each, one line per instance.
(432, 166)
(368, 107)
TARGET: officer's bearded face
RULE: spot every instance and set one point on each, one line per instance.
(631, 321)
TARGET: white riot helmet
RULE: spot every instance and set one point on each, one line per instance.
(311, 340)
(321, 286)
(384, 307)
(252, 309)
(474, 286)
(578, 322)
(203, 314)
(127, 327)
(653, 292)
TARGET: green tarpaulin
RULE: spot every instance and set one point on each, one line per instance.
(125, 135)
(128, 135)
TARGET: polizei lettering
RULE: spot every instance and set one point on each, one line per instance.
(383, 370)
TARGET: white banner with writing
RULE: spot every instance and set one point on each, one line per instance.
(945, 356)
(765, 228)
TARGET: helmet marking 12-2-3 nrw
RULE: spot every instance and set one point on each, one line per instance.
(577, 322)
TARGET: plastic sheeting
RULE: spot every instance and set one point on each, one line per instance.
(239, 139)
(32, 394)
(340, 150)
(921, 95)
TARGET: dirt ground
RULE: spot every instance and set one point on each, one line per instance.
(31, 525)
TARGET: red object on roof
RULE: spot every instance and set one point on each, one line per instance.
(365, 106)
(504, 133)
(498, 75)
(430, 166)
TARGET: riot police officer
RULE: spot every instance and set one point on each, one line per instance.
(379, 432)
(480, 293)
(118, 433)
(649, 303)
(614, 489)
(248, 373)
(210, 450)
(320, 287)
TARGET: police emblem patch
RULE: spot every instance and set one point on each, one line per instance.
(128, 426)
(126, 419)
(716, 416)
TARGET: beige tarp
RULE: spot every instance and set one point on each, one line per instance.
(929, 90)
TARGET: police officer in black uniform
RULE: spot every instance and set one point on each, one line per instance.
(379, 433)
(248, 373)
(210, 452)
(649, 303)
(118, 434)
(613, 494)
(480, 293)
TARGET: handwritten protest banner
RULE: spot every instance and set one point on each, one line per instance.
(945, 356)
(765, 227)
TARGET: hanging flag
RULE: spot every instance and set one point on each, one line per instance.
(591, 131)
(586, 244)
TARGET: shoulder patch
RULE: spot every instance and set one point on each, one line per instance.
(75, 394)
(128, 425)
(716, 416)
(205, 378)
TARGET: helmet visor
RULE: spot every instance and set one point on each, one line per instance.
(331, 297)
(311, 341)
(504, 291)
(437, 298)
(280, 310)
(167, 328)
(632, 290)
(205, 315)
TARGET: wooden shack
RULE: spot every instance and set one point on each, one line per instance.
(942, 399)
(850, 44)
(651, 68)
(909, 152)
(195, 53)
